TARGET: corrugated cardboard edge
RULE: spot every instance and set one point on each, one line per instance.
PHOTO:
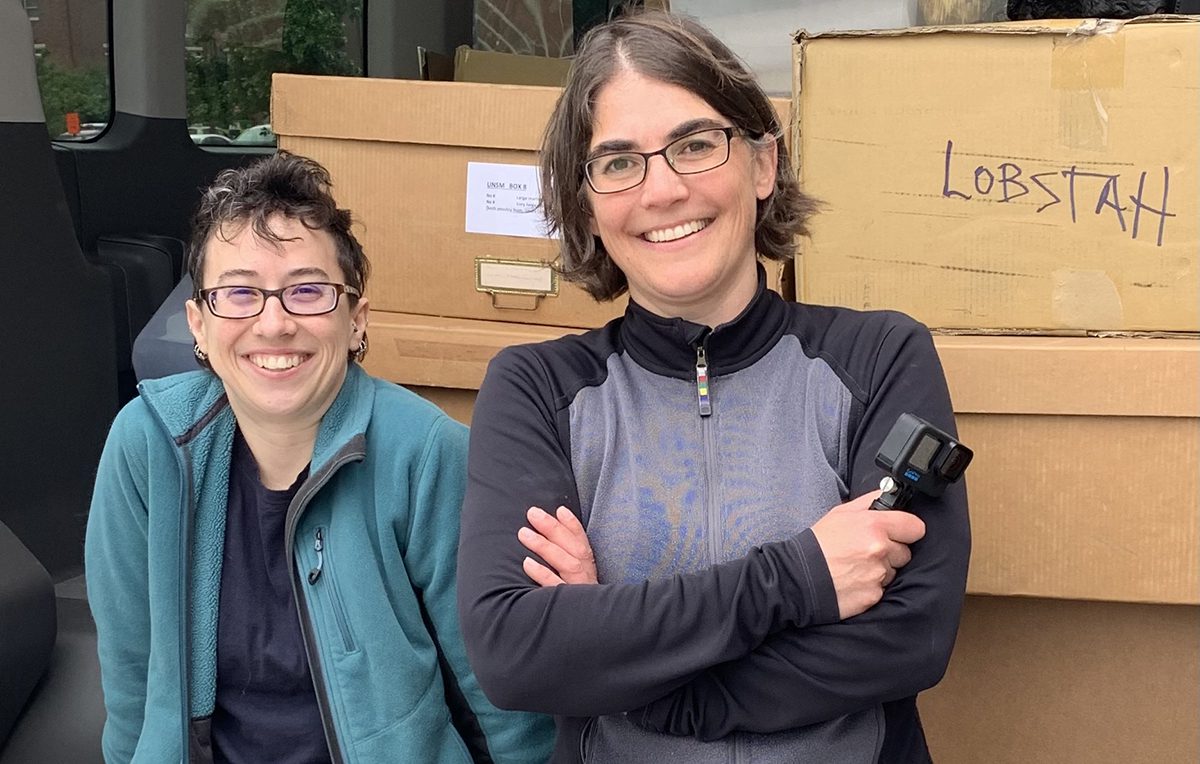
(987, 374)
(1079, 376)
(1083, 27)
(1064, 27)
(1016, 332)
(410, 111)
(436, 351)
(492, 66)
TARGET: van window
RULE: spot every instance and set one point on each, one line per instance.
(70, 44)
(234, 46)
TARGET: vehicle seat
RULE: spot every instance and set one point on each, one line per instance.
(60, 397)
(165, 346)
(27, 612)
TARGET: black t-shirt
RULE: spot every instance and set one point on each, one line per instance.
(266, 707)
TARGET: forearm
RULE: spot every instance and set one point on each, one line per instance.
(802, 676)
(589, 650)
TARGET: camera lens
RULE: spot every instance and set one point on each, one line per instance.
(956, 462)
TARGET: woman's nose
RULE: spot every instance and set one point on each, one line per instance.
(274, 319)
(662, 184)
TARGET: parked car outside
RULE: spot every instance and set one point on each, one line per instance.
(258, 135)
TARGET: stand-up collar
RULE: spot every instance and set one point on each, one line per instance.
(667, 346)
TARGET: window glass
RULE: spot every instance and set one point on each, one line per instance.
(70, 43)
(233, 47)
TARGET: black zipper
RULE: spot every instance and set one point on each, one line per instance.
(738, 752)
(320, 544)
(299, 503)
(185, 596)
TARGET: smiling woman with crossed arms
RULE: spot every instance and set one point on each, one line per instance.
(707, 459)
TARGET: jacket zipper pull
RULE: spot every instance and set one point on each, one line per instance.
(702, 382)
(319, 547)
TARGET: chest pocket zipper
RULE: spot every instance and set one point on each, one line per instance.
(329, 587)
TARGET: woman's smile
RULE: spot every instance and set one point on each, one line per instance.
(675, 232)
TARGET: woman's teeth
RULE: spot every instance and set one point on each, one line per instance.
(276, 362)
(678, 232)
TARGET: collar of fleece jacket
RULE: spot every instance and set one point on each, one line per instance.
(668, 346)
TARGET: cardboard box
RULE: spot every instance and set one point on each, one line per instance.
(399, 152)
(412, 159)
(1035, 681)
(430, 351)
(1019, 177)
(509, 68)
(1085, 479)
(457, 403)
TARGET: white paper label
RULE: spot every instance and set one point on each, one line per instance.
(503, 199)
(516, 277)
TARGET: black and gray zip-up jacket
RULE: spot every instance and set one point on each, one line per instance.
(714, 633)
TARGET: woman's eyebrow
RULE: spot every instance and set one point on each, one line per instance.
(236, 273)
(246, 273)
(677, 132)
(691, 126)
(608, 147)
(311, 270)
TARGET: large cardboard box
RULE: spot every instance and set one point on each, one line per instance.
(409, 158)
(1027, 177)
(1086, 478)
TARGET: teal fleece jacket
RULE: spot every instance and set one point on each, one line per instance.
(385, 487)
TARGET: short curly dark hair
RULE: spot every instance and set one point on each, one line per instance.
(282, 184)
(680, 51)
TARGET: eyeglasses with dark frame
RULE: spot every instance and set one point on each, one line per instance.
(311, 298)
(696, 152)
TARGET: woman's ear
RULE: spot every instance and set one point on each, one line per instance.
(359, 318)
(195, 320)
(766, 165)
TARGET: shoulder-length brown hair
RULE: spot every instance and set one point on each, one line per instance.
(679, 51)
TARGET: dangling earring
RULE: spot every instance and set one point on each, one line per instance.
(201, 356)
(361, 352)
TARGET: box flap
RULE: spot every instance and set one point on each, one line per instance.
(472, 65)
(411, 111)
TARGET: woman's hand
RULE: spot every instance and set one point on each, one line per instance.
(560, 540)
(864, 548)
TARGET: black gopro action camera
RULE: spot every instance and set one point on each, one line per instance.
(918, 457)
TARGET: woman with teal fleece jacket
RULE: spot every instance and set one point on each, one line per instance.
(272, 543)
(381, 452)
